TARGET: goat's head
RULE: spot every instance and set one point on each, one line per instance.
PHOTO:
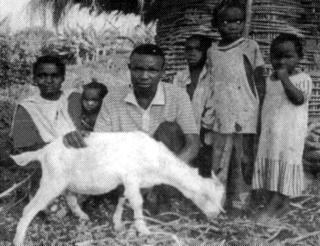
(211, 196)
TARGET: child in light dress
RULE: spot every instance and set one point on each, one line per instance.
(278, 167)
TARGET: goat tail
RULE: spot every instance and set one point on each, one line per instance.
(26, 157)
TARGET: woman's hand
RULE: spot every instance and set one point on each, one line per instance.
(75, 139)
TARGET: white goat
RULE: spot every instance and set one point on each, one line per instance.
(133, 159)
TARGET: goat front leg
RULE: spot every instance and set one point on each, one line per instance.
(132, 192)
(117, 217)
(74, 205)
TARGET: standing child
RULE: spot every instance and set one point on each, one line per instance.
(278, 167)
(194, 80)
(91, 100)
(236, 68)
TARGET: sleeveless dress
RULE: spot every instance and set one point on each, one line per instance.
(278, 165)
(51, 118)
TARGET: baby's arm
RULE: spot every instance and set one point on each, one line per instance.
(295, 95)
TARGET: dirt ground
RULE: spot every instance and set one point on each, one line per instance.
(180, 224)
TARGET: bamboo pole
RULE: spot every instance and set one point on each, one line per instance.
(248, 18)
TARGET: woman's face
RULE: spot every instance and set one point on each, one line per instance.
(49, 80)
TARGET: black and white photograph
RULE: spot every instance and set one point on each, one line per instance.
(160, 122)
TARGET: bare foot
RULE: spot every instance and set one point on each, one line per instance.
(283, 210)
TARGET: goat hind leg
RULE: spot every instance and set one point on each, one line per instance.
(117, 216)
(45, 194)
(132, 192)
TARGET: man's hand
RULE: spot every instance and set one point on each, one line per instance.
(75, 139)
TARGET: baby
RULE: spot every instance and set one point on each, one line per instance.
(91, 101)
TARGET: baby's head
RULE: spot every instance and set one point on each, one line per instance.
(48, 74)
(92, 96)
(286, 51)
(229, 17)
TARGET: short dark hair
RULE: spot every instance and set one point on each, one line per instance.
(103, 90)
(288, 37)
(223, 6)
(149, 49)
(50, 59)
(205, 41)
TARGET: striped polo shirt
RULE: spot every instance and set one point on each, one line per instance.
(120, 111)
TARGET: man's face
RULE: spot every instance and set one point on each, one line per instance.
(49, 80)
(146, 72)
(194, 53)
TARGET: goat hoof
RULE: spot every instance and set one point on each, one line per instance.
(144, 231)
(17, 241)
(84, 217)
(118, 227)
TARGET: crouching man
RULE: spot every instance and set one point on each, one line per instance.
(147, 104)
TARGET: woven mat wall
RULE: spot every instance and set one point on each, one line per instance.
(180, 21)
(269, 18)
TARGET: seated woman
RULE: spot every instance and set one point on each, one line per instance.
(48, 114)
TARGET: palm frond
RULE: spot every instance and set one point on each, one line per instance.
(59, 8)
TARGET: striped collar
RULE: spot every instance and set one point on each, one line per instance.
(159, 98)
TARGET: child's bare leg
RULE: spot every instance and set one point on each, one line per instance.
(237, 187)
(284, 208)
(221, 154)
(278, 204)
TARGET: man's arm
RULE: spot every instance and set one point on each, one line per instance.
(187, 122)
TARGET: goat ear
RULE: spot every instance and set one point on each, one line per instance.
(214, 177)
(213, 174)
